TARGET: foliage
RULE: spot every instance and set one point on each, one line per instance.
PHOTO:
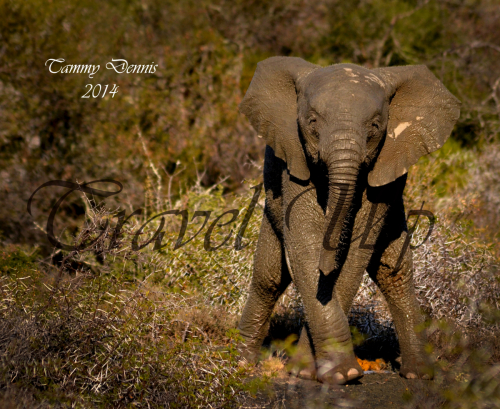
(186, 113)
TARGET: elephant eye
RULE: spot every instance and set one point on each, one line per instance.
(376, 125)
(312, 120)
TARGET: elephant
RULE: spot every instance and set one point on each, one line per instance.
(339, 142)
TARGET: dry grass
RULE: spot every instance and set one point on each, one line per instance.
(92, 337)
(95, 341)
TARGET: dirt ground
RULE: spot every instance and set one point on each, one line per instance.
(373, 391)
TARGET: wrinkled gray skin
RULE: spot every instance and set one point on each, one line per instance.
(341, 127)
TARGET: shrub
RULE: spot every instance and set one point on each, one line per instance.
(99, 339)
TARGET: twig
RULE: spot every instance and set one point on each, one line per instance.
(153, 168)
(184, 334)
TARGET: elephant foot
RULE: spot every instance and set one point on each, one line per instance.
(309, 372)
(302, 366)
(349, 370)
(415, 369)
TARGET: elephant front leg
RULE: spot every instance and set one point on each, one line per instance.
(392, 271)
(326, 321)
(346, 287)
(270, 279)
(327, 325)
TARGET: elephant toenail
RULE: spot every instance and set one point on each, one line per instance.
(338, 377)
(426, 377)
(411, 375)
(307, 374)
(352, 373)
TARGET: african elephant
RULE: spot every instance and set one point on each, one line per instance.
(340, 140)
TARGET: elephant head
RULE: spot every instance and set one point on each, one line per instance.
(348, 118)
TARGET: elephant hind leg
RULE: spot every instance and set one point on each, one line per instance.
(392, 271)
(303, 362)
(270, 279)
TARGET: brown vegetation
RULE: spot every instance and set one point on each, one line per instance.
(112, 327)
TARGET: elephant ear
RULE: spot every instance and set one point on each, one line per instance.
(422, 113)
(271, 106)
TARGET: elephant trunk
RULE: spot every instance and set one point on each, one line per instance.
(342, 157)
